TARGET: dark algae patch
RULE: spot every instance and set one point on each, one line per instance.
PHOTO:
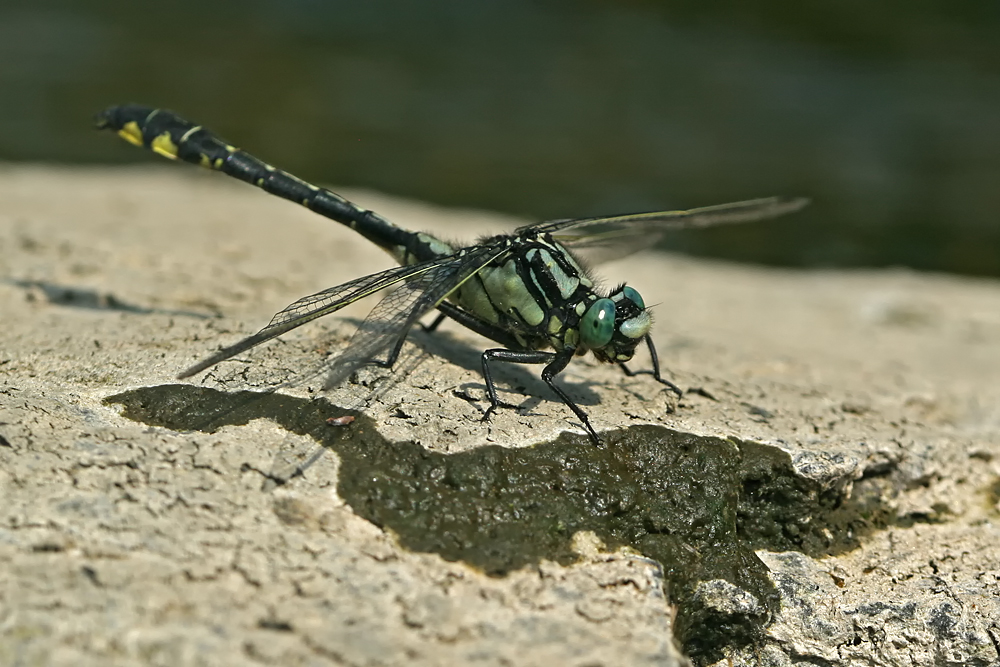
(675, 497)
(782, 510)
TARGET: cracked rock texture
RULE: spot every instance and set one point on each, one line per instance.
(122, 544)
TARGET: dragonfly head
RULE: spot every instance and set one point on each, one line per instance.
(612, 327)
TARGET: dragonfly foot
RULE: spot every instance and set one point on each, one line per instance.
(671, 386)
(493, 408)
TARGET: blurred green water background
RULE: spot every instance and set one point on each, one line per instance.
(886, 114)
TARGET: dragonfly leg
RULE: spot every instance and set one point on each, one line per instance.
(459, 316)
(656, 368)
(390, 360)
(484, 329)
(548, 374)
(435, 324)
(556, 363)
(510, 356)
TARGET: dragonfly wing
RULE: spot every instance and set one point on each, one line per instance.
(605, 239)
(315, 306)
(389, 322)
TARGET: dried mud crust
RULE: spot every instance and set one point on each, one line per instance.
(859, 408)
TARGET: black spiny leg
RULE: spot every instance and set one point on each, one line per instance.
(435, 324)
(656, 369)
(556, 363)
(390, 360)
(484, 329)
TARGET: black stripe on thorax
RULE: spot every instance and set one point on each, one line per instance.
(551, 272)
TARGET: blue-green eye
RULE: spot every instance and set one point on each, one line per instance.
(598, 324)
(633, 296)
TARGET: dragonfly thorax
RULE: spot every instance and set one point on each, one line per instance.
(541, 295)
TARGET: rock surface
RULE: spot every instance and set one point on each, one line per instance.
(864, 407)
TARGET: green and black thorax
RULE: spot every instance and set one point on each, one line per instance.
(544, 297)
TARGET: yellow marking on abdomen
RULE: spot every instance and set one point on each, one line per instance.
(165, 146)
(131, 133)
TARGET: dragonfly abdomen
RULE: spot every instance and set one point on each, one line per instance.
(171, 136)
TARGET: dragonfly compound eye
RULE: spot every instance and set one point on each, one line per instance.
(598, 324)
(633, 296)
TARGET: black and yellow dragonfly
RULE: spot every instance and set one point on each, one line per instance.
(526, 290)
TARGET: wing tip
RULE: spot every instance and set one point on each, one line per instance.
(792, 204)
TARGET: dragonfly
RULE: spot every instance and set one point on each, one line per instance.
(528, 290)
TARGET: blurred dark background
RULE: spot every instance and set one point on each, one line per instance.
(886, 114)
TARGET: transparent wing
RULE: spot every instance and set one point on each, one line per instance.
(379, 336)
(317, 305)
(605, 239)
